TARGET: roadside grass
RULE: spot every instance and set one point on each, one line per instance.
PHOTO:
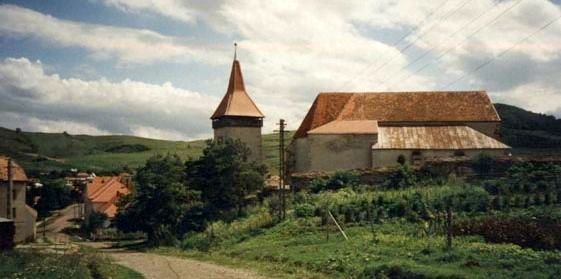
(84, 264)
(301, 245)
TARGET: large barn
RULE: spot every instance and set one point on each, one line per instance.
(366, 130)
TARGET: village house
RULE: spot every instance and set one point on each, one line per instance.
(103, 192)
(12, 203)
(237, 117)
(368, 130)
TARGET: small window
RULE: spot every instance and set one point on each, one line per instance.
(14, 194)
(416, 153)
(14, 213)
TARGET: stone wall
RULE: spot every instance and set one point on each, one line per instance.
(388, 157)
(332, 152)
(251, 136)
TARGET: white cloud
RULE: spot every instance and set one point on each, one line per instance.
(128, 45)
(49, 103)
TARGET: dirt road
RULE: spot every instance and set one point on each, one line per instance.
(159, 266)
(148, 264)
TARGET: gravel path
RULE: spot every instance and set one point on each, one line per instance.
(160, 267)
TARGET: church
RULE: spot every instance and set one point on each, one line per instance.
(379, 129)
(343, 131)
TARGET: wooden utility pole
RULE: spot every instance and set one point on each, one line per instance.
(10, 189)
(282, 191)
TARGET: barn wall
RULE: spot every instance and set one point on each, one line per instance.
(385, 157)
(333, 152)
(251, 136)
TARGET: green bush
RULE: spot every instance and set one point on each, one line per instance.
(483, 163)
(404, 177)
(390, 271)
(304, 210)
(340, 179)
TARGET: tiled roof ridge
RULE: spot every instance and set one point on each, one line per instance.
(105, 187)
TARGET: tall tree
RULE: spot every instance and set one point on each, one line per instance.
(160, 201)
(225, 177)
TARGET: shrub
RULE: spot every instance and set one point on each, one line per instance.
(403, 177)
(304, 210)
(393, 271)
(483, 163)
(530, 232)
(340, 179)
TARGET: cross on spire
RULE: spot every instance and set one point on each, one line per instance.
(235, 51)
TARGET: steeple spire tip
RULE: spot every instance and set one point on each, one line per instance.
(235, 51)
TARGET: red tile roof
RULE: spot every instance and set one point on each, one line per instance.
(450, 106)
(236, 102)
(106, 190)
(435, 137)
(347, 127)
(18, 172)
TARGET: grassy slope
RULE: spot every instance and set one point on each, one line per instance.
(45, 151)
(24, 264)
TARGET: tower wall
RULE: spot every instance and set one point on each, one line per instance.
(247, 130)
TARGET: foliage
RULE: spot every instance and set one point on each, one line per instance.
(537, 232)
(338, 180)
(225, 177)
(483, 163)
(403, 177)
(304, 210)
(53, 195)
(160, 201)
(219, 232)
(127, 148)
(522, 128)
(302, 244)
(394, 271)
(94, 222)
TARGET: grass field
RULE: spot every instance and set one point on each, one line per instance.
(50, 151)
(23, 264)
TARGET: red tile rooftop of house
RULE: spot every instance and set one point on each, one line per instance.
(18, 172)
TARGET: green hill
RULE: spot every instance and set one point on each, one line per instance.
(521, 128)
(50, 151)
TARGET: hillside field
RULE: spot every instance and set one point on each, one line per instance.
(50, 151)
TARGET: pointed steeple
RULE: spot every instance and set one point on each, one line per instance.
(236, 102)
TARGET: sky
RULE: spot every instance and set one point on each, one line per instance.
(158, 68)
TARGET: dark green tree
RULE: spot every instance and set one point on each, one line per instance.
(160, 201)
(225, 177)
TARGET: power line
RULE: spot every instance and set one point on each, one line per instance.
(410, 44)
(489, 23)
(428, 51)
(489, 61)
(414, 29)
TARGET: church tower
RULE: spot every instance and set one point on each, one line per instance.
(237, 116)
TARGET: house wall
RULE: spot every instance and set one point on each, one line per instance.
(388, 157)
(251, 136)
(332, 152)
(25, 216)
